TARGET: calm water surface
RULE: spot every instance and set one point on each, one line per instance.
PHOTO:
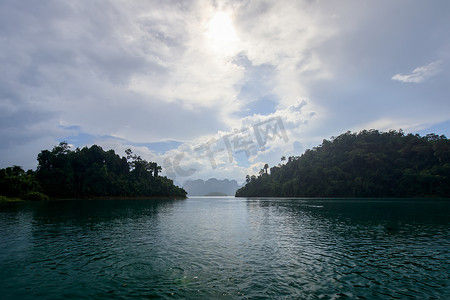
(225, 248)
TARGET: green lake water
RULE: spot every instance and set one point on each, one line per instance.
(225, 248)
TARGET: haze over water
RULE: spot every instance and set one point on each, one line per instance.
(226, 248)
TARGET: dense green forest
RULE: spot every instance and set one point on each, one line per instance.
(365, 164)
(87, 172)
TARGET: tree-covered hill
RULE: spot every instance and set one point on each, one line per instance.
(88, 172)
(365, 164)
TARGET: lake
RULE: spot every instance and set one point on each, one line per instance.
(226, 248)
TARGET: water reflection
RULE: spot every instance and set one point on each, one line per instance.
(94, 211)
(212, 248)
(48, 245)
(356, 248)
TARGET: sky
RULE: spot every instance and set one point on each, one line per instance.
(217, 88)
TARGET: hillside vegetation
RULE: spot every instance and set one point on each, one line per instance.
(365, 164)
(85, 173)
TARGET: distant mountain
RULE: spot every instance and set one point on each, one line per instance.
(211, 186)
(216, 194)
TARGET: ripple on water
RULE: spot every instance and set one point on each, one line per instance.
(207, 249)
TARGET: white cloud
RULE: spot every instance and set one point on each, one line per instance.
(420, 74)
(405, 123)
(289, 43)
(259, 139)
(189, 71)
(194, 74)
(138, 71)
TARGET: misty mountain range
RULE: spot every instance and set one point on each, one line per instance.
(211, 186)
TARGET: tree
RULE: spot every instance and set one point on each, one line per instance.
(15, 182)
(155, 168)
(365, 164)
(92, 172)
(55, 171)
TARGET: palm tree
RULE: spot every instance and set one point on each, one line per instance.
(155, 168)
(261, 172)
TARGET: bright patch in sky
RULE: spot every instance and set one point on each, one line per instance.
(221, 35)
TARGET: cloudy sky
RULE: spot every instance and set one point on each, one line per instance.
(217, 88)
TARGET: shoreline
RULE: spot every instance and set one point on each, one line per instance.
(4, 199)
(106, 198)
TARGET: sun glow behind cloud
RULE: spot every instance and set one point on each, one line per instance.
(221, 35)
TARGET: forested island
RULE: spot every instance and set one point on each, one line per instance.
(360, 165)
(87, 173)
